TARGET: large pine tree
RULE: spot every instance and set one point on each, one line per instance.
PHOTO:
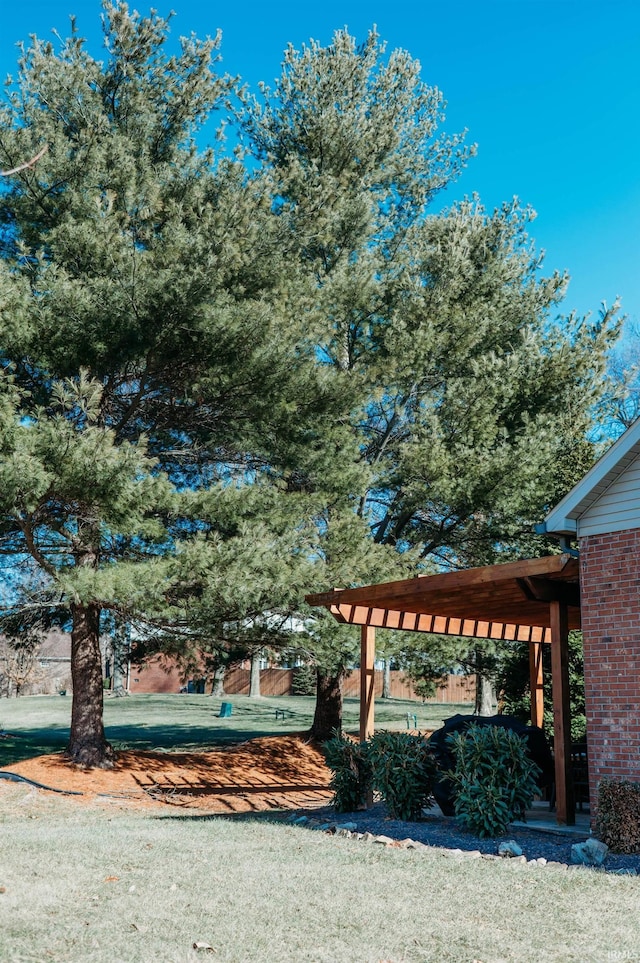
(145, 346)
(470, 398)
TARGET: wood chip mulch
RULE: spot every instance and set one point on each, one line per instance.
(273, 772)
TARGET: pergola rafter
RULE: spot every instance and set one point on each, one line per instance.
(535, 601)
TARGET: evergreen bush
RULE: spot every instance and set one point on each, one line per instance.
(351, 772)
(304, 681)
(618, 815)
(403, 770)
(494, 778)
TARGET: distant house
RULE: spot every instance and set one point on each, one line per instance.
(603, 513)
(47, 671)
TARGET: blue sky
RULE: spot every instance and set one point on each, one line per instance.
(548, 89)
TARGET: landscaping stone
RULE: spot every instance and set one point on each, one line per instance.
(352, 827)
(383, 840)
(509, 848)
(590, 853)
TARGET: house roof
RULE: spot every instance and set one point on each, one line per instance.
(509, 601)
(562, 520)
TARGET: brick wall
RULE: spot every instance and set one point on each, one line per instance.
(610, 602)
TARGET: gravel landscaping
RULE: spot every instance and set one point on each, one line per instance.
(444, 833)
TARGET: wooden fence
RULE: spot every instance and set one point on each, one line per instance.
(158, 677)
(278, 682)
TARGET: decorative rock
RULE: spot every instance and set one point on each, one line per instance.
(352, 827)
(590, 853)
(300, 821)
(343, 831)
(383, 840)
(509, 848)
(472, 853)
(367, 837)
(556, 865)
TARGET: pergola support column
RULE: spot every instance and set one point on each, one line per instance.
(565, 804)
(536, 681)
(367, 681)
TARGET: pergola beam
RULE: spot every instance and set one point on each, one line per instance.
(367, 681)
(437, 624)
(536, 683)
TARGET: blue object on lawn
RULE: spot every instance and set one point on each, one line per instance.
(225, 710)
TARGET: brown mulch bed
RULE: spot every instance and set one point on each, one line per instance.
(273, 772)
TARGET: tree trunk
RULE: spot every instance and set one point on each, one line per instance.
(120, 656)
(484, 689)
(88, 745)
(328, 714)
(254, 683)
(217, 689)
(386, 680)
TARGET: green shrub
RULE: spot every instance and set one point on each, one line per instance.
(493, 778)
(304, 681)
(403, 771)
(351, 772)
(618, 816)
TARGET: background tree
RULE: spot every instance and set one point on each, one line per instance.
(146, 346)
(462, 389)
(512, 682)
(19, 663)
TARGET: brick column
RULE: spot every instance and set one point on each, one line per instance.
(610, 603)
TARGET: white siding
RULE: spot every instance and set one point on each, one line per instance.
(618, 508)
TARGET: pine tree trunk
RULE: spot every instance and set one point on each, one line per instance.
(254, 684)
(88, 745)
(328, 714)
(386, 680)
(218, 682)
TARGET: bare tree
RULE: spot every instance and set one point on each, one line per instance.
(19, 663)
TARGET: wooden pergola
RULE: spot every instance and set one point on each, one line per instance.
(535, 601)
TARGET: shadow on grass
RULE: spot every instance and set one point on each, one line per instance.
(172, 737)
(32, 742)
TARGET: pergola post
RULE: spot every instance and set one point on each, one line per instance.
(536, 681)
(565, 804)
(367, 681)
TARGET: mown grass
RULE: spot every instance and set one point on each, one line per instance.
(100, 884)
(40, 724)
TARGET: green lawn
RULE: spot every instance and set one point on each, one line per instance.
(104, 885)
(40, 724)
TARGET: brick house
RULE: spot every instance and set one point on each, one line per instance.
(602, 512)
